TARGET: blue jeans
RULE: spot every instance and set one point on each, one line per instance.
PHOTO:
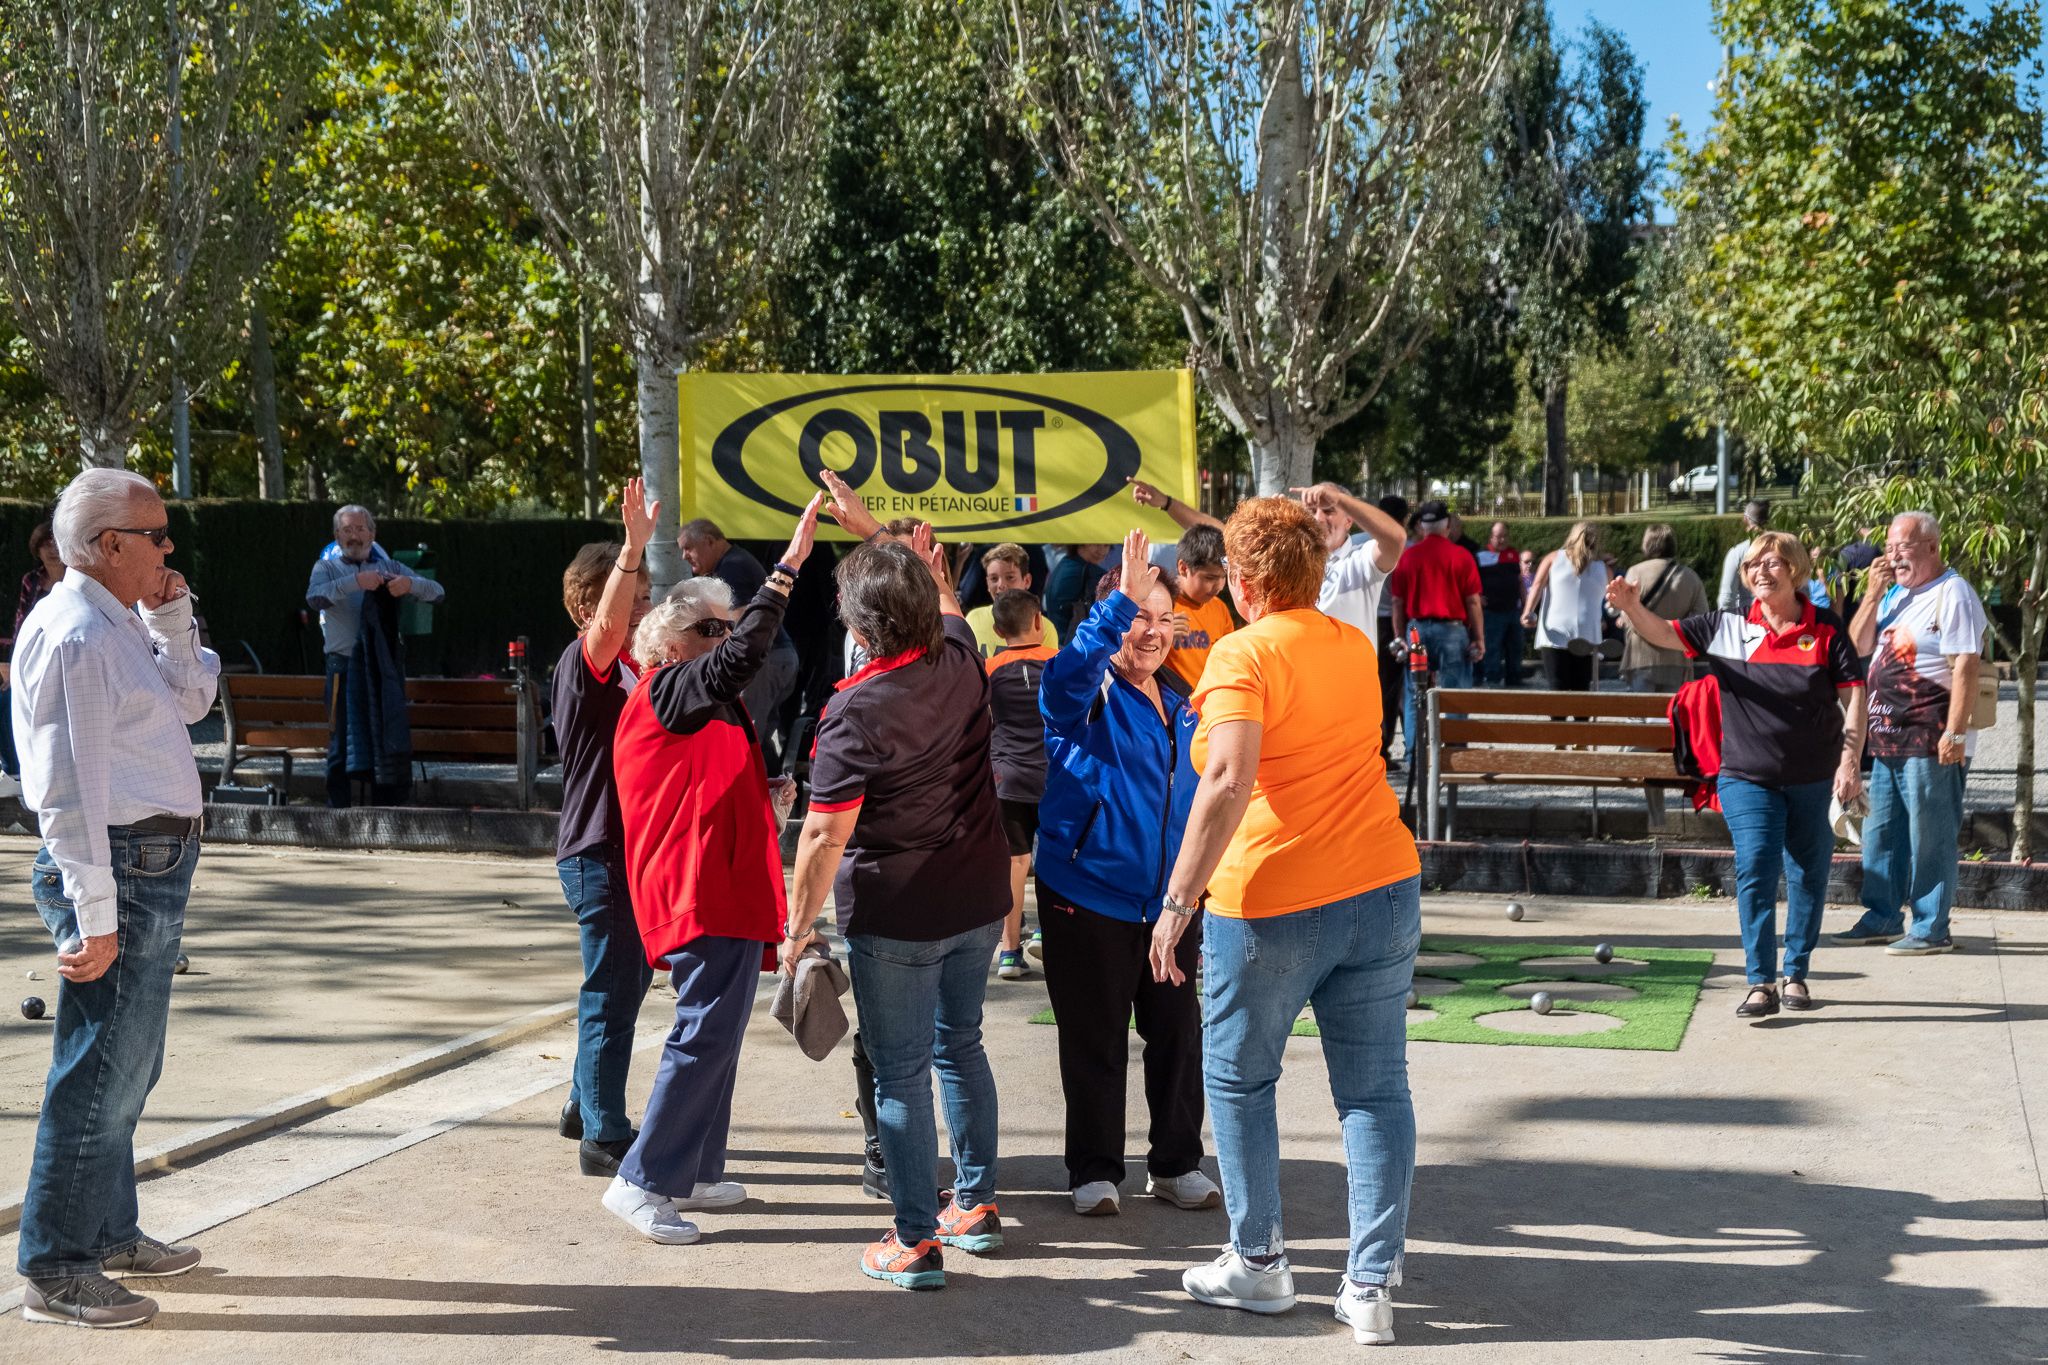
(615, 980)
(1505, 639)
(106, 1055)
(1909, 843)
(1778, 830)
(689, 1114)
(920, 1012)
(1446, 642)
(1353, 960)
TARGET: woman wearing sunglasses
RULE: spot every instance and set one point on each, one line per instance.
(704, 866)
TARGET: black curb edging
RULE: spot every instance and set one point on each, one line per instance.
(410, 829)
(1645, 872)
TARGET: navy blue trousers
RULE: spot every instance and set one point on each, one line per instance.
(683, 1131)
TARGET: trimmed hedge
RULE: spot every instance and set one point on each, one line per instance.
(1703, 542)
(248, 562)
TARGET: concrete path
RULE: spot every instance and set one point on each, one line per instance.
(1861, 1183)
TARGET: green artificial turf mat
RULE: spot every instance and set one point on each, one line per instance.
(1667, 989)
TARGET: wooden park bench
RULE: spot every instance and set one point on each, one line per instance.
(1511, 736)
(454, 720)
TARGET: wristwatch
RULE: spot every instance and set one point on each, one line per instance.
(1173, 907)
(1954, 738)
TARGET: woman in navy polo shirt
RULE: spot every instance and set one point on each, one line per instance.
(1786, 674)
(904, 830)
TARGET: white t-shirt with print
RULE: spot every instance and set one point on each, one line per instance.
(1919, 632)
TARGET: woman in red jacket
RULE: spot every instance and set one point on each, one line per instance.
(704, 863)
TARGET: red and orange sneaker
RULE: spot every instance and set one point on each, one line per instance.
(920, 1267)
(978, 1229)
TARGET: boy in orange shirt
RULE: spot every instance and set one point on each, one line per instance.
(1017, 751)
(1201, 617)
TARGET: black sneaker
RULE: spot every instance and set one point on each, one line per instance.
(874, 1176)
(572, 1119)
(84, 1301)
(603, 1158)
(149, 1258)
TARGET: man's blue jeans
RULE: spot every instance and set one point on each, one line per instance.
(920, 1012)
(1778, 831)
(615, 980)
(1447, 643)
(1909, 843)
(106, 1054)
(1505, 640)
(1354, 961)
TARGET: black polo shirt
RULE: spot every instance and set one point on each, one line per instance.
(905, 741)
(1781, 714)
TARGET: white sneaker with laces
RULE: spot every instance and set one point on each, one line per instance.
(1191, 1191)
(652, 1216)
(1370, 1312)
(723, 1195)
(1096, 1199)
(1230, 1281)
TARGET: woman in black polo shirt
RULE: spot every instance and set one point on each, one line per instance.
(904, 831)
(1786, 673)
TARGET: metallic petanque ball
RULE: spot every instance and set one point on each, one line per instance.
(1603, 953)
(1411, 997)
(32, 1008)
(1540, 1002)
(182, 965)
(1514, 910)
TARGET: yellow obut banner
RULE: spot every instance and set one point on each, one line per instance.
(1043, 457)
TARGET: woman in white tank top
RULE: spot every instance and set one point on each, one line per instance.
(1564, 608)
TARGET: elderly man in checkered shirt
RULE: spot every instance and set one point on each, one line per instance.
(102, 696)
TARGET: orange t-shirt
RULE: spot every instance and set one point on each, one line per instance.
(1323, 824)
(1207, 624)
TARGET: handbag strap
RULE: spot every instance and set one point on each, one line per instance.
(1670, 568)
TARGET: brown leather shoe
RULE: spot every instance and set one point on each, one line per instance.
(1753, 1008)
(1796, 996)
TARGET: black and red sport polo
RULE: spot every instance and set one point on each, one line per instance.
(1781, 713)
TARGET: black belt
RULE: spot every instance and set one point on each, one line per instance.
(184, 826)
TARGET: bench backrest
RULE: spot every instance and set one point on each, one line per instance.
(451, 717)
(1569, 734)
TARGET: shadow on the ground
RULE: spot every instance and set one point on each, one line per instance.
(1512, 1252)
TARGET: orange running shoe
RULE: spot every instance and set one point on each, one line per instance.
(978, 1229)
(920, 1267)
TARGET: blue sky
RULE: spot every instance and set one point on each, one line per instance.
(1673, 39)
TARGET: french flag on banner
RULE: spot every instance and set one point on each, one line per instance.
(1025, 504)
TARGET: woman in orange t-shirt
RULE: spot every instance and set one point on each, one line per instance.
(1312, 886)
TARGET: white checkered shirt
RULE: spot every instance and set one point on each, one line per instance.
(102, 696)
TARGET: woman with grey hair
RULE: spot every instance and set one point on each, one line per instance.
(903, 829)
(704, 868)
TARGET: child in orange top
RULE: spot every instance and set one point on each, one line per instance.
(1200, 616)
(1017, 751)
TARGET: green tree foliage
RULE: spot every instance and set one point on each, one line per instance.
(1874, 197)
(1569, 151)
(940, 242)
(426, 339)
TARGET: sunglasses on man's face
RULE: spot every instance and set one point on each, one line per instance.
(711, 627)
(156, 535)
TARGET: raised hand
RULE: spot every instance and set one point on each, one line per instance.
(169, 589)
(925, 546)
(1138, 574)
(1314, 498)
(639, 514)
(1147, 495)
(805, 535)
(848, 508)
(1622, 594)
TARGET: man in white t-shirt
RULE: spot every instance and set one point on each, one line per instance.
(1356, 572)
(1924, 628)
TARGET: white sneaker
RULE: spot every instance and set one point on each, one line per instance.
(723, 1195)
(1096, 1199)
(653, 1216)
(1230, 1282)
(1191, 1191)
(1370, 1311)
(1034, 951)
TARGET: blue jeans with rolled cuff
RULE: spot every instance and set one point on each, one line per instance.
(920, 1012)
(615, 981)
(1353, 960)
(1778, 831)
(106, 1053)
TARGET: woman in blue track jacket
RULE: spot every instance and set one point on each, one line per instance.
(1119, 781)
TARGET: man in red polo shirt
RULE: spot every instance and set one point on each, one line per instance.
(1435, 590)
